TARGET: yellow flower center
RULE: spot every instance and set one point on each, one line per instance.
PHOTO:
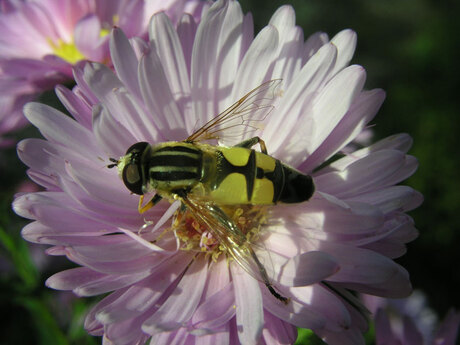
(197, 237)
(69, 51)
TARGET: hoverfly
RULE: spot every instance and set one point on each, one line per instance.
(207, 178)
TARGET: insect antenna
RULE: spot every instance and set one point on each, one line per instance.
(113, 164)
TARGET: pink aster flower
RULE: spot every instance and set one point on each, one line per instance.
(169, 279)
(42, 39)
(410, 321)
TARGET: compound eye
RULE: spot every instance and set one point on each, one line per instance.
(137, 147)
(132, 178)
(132, 171)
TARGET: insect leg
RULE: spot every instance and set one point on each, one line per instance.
(238, 239)
(266, 280)
(251, 142)
(156, 198)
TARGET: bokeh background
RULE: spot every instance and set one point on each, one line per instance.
(410, 48)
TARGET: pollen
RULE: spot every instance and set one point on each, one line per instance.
(199, 237)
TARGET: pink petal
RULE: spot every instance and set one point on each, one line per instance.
(167, 114)
(168, 47)
(59, 128)
(249, 306)
(215, 58)
(345, 41)
(125, 61)
(186, 30)
(142, 296)
(300, 91)
(375, 171)
(75, 105)
(390, 199)
(277, 331)
(87, 38)
(112, 136)
(305, 269)
(360, 113)
(182, 303)
(216, 310)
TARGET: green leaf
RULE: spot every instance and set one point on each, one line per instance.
(308, 337)
(47, 329)
(20, 257)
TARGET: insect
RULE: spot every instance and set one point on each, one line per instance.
(207, 178)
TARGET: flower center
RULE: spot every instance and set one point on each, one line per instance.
(69, 51)
(196, 236)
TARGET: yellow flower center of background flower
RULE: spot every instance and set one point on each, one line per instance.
(69, 51)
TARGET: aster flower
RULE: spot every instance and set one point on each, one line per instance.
(411, 321)
(169, 281)
(42, 39)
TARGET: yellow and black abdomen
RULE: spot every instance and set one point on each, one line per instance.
(244, 176)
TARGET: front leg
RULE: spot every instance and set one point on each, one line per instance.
(253, 141)
(155, 200)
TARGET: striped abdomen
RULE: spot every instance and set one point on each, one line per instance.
(245, 176)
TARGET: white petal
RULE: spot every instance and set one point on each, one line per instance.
(249, 306)
(180, 306)
(345, 41)
(330, 106)
(288, 113)
(168, 47)
(59, 128)
(112, 136)
(158, 97)
(124, 61)
(215, 59)
(305, 269)
(361, 112)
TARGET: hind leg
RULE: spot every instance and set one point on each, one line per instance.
(253, 141)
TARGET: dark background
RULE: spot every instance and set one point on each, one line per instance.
(410, 48)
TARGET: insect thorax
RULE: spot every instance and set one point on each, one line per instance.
(174, 166)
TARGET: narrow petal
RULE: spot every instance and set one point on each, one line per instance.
(182, 303)
(332, 104)
(112, 136)
(163, 105)
(249, 306)
(345, 41)
(87, 38)
(374, 171)
(395, 198)
(59, 128)
(301, 89)
(361, 112)
(216, 311)
(168, 47)
(305, 269)
(125, 61)
(277, 331)
(215, 59)
(140, 297)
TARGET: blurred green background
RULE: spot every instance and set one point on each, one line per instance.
(410, 48)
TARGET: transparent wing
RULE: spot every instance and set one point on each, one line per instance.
(232, 239)
(242, 118)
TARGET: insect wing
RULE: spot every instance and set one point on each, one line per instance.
(230, 237)
(241, 119)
